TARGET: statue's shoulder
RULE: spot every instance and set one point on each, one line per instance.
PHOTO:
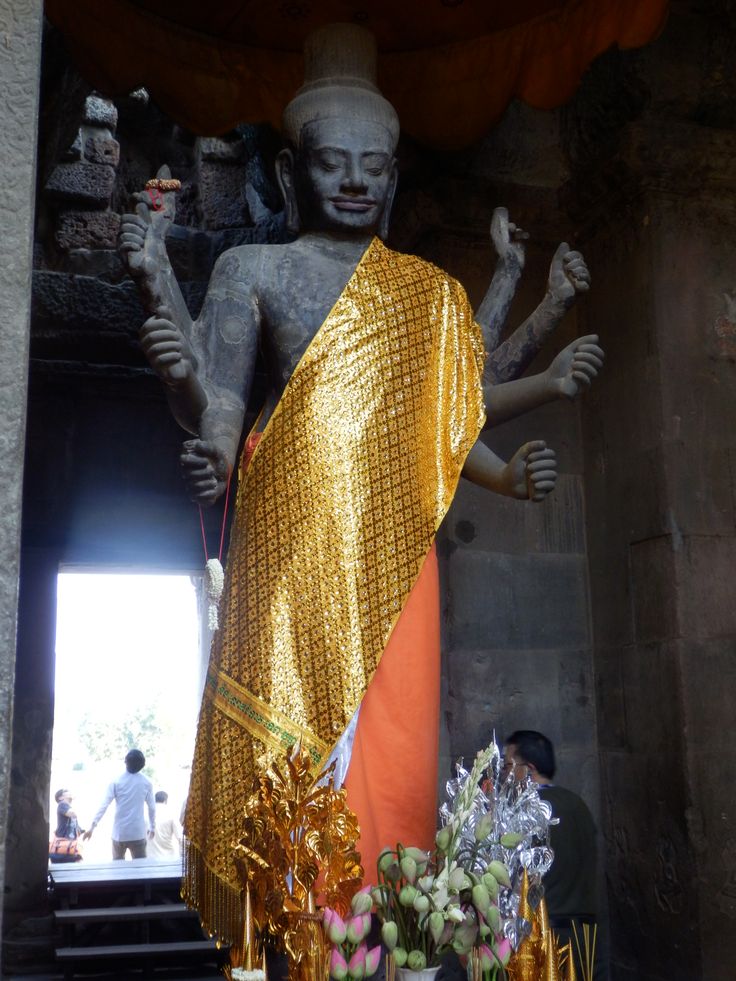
(245, 264)
(418, 269)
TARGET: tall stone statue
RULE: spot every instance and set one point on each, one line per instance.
(378, 390)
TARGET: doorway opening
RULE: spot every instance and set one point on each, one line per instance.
(128, 675)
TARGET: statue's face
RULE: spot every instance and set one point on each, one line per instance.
(344, 176)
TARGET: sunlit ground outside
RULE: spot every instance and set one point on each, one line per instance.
(127, 670)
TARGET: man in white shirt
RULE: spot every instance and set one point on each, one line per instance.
(130, 792)
(165, 846)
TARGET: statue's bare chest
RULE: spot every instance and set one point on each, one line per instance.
(296, 294)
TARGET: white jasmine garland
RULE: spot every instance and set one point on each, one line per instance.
(240, 973)
(214, 580)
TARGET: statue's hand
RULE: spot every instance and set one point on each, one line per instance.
(531, 472)
(142, 234)
(576, 366)
(508, 239)
(205, 471)
(568, 275)
(167, 350)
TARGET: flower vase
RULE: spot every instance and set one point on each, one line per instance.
(406, 974)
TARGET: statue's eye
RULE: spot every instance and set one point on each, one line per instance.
(375, 171)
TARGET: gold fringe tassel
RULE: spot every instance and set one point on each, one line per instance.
(218, 903)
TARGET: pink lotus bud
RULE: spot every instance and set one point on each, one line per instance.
(327, 915)
(338, 965)
(362, 902)
(487, 960)
(337, 930)
(504, 951)
(372, 960)
(357, 927)
(356, 964)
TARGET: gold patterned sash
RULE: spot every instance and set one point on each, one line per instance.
(353, 474)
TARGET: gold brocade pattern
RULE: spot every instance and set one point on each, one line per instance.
(334, 516)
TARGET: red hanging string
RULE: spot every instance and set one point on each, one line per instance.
(224, 523)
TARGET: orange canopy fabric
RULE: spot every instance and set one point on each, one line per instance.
(450, 67)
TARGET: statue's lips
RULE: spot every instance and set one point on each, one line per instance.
(353, 204)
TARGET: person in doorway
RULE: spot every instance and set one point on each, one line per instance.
(165, 846)
(131, 791)
(570, 884)
(67, 825)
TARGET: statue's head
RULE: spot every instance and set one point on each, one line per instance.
(338, 171)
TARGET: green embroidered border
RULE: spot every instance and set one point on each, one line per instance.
(262, 721)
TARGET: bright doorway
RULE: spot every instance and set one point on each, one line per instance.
(127, 675)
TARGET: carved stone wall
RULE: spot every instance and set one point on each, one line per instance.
(20, 55)
(655, 192)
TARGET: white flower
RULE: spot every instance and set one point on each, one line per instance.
(214, 580)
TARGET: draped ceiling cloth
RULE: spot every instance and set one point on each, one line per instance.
(450, 67)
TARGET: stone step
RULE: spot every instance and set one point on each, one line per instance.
(107, 914)
(141, 951)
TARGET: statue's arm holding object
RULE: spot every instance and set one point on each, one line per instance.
(206, 365)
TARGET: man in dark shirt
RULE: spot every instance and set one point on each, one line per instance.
(570, 884)
(67, 825)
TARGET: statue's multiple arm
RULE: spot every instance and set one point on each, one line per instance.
(208, 390)
(568, 276)
(528, 476)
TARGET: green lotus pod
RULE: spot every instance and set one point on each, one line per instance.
(408, 869)
(407, 896)
(493, 918)
(481, 897)
(385, 859)
(443, 839)
(499, 871)
(511, 839)
(400, 956)
(483, 827)
(421, 903)
(491, 884)
(389, 934)
(416, 961)
(436, 925)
